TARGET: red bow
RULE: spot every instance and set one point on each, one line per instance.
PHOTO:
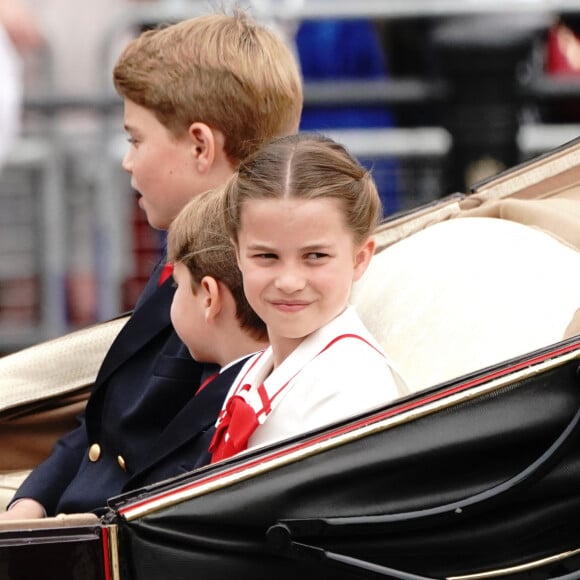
(233, 430)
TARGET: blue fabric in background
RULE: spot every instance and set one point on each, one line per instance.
(348, 49)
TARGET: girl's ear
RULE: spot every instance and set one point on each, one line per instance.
(212, 298)
(362, 258)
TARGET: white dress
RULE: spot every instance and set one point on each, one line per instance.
(337, 372)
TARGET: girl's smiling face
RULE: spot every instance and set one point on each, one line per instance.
(298, 261)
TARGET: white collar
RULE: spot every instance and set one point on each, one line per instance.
(261, 370)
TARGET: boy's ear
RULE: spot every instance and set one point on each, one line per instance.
(206, 145)
(212, 298)
(363, 257)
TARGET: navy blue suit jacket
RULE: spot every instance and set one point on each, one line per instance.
(183, 445)
(147, 378)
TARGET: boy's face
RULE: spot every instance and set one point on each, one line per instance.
(162, 167)
(187, 314)
(298, 260)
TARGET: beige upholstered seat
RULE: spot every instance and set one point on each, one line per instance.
(467, 293)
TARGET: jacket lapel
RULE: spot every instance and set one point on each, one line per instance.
(199, 414)
(146, 322)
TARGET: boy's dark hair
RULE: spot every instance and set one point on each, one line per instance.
(197, 238)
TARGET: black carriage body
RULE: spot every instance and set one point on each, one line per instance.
(476, 475)
(70, 552)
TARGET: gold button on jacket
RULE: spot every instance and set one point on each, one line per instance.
(121, 462)
(94, 452)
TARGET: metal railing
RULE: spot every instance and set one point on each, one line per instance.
(392, 143)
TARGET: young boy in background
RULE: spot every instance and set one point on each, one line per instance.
(212, 317)
(199, 96)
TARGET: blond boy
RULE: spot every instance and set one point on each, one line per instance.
(198, 97)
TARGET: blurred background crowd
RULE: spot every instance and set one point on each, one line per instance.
(432, 95)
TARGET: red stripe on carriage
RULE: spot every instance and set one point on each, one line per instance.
(106, 554)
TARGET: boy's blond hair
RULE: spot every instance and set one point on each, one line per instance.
(197, 238)
(227, 71)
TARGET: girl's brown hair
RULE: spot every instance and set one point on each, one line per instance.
(307, 166)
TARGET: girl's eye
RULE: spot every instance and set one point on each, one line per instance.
(132, 140)
(316, 256)
(265, 256)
